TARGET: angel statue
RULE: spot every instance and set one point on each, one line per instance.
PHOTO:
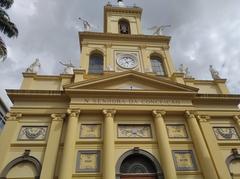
(185, 70)
(34, 67)
(86, 25)
(158, 30)
(68, 67)
(214, 73)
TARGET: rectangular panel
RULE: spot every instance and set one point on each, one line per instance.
(184, 160)
(225, 133)
(134, 131)
(88, 161)
(176, 131)
(32, 133)
(90, 131)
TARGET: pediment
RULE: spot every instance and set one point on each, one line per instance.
(132, 80)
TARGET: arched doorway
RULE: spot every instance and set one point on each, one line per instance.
(138, 164)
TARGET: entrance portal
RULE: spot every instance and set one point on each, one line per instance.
(138, 164)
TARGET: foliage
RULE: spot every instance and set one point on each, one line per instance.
(7, 27)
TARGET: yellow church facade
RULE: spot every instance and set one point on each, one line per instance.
(126, 113)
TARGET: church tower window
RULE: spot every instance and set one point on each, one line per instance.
(95, 63)
(157, 65)
(124, 26)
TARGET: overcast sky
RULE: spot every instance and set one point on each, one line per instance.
(203, 32)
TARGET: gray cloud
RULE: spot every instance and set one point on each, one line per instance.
(203, 33)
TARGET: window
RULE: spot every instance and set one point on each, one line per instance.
(95, 63)
(124, 26)
(2, 121)
(157, 65)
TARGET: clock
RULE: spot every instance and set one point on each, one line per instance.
(127, 61)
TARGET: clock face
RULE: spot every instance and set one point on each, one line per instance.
(127, 61)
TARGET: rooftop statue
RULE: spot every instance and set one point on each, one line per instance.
(185, 70)
(120, 3)
(34, 67)
(68, 67)
(158, 30)
(214, 73)
(86, 25)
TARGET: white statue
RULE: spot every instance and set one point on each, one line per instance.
(86, 25)
(185, 70)
(34, 67)
(68, 67)
(158, 30)
(120, 3)
(214, 73)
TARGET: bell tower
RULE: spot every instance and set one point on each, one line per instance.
(122, 19)
(122, 46)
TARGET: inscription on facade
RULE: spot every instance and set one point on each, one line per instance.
(184, 160)
(135, 101)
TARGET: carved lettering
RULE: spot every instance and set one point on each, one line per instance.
(134, 101)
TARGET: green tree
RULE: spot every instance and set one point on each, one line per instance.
(6, 26)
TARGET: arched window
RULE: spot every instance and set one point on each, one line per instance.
(24, 166)
(137, 163)
(95, 63)
(157, 65)
(124, 26)
(233, 163)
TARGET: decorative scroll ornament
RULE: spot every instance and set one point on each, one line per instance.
(158, 113)
(58, 117)
(73, 112)
(226, 133)
(203, 118)
(237, 119)
(13, 116)
(33, 133)
(109, 112)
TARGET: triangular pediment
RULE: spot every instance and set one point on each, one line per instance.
(132, 80)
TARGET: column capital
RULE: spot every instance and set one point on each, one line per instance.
(190, 115)
(73, 112)
(13, 116)
(203, 118)
(58, 116)
(158, 113)
(237, 119)
(109, 112)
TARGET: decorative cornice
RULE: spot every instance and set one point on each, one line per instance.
(124, 37)
(158, 113)
(58, 117)
(73, 112)
(13, 116)
(109, 112)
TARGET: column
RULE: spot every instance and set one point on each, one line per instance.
(53, 144)
(201, 149)
(68, 154)
(163, 145)
(108, 145)
(7, 134)
(215, 152)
